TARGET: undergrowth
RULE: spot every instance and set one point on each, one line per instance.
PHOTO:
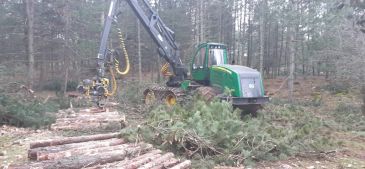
(349, 117)
(215, 132)
(29, 112)
(337, 87)
(130, 92)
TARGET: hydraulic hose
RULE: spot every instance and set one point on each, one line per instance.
(122, 46)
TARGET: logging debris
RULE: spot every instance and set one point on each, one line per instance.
(98, 151)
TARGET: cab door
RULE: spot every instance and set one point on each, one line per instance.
(199, 69)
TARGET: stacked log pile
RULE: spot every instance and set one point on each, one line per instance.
(98, 151)
(87, 119)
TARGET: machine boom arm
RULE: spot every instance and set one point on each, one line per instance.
(160, 33)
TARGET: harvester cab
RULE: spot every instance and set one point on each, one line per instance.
(210, 68)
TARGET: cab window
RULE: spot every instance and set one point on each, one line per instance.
(199, 59)
(216, 57)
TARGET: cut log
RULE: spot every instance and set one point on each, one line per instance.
(69, 140)
(86, 125)
(184, 165)
(141, 161)
(91, 119)
(78, 152)
(157, 161)
(34, 154)
(86, 115)
(90, 160)
(166, 164)
(84, 149)
(86, 161)
(124, 163)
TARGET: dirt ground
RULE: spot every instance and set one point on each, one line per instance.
(14, 142)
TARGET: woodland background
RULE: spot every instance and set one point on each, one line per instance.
(318, 46)
(53, 44)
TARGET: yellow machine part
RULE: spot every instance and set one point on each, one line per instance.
(122, 46)
(116, 66)
(165, 70)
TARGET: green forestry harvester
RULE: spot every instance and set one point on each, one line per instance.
(210, 73)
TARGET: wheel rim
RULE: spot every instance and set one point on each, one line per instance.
(150, 97)
(170, 100)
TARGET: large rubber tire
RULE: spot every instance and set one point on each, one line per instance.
(207, 93)
(162, 94)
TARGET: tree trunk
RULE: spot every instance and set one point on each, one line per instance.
(139, 52)
(61, 151)
(276, 46)
(233, 32)
(67, 58)
(249, 43)
(29, 4)
(156, 161)
(269, 57)
(183, 165)
(281, 51)
(201, 22)
(244, 39)
(97, 159)
(292, 62)
(262, 37)
(73, 140)
(140, 160)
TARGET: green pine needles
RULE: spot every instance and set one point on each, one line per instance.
(215, 131)
(31, 113)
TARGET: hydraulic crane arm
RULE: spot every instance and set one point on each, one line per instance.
(159, 32)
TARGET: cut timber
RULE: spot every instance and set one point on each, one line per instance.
(100, 154)
(166, 164)
(140, 162)
(129, 162)
(184, 165)
(34, 153)
(78, 152)
(157, 161)
(73, 140)
(86, 120)
(97, 158)
(75, 126)
(103, 158)
(89, 119)
(57, 152)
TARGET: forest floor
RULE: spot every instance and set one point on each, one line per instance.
(14, 142)
(351, 151)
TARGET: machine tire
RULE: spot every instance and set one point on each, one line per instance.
(160, 94)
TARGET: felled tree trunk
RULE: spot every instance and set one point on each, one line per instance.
(73, 140)
(107, 155)
(157, 161)
(99, 159)
(61, 151)
(184, 165)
